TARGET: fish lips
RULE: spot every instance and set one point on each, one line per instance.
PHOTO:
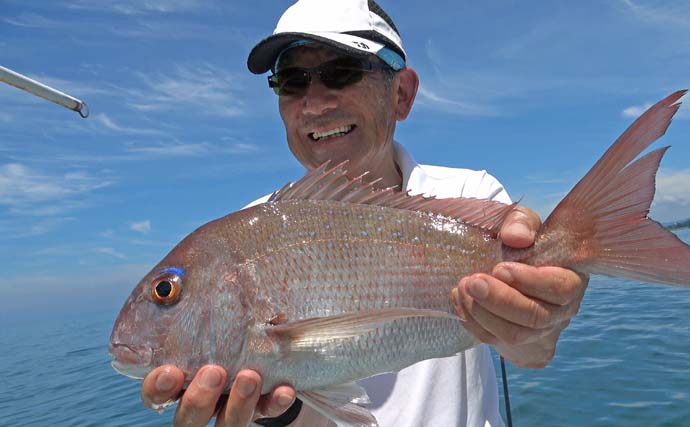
(131, 361)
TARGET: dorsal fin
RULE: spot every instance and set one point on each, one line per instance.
(333, 184)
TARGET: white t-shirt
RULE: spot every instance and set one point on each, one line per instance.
(453, 391)
(460, 390)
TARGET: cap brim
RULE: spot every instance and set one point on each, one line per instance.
(262, 58)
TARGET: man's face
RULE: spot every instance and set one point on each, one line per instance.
(355, 123)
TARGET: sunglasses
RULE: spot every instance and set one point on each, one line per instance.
(335, 74)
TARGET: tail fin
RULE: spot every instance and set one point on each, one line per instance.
(603, 220)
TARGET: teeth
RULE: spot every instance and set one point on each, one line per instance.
(332, 133)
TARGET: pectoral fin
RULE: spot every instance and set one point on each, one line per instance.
(314, 333)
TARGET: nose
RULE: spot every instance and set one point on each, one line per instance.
(319, 99)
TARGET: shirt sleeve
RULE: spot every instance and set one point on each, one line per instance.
(258, 201)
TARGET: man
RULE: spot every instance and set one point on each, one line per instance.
(339, 70)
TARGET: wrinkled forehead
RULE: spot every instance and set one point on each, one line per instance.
(308, 56)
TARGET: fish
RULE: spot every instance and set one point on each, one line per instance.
(332, 280)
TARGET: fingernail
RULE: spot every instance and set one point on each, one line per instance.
(284, 400)
(245, 387)
(522, 229)
(504, 275)
(461, 313)
(455, 294)
(478, 288)
(165, 382)
(210, 378)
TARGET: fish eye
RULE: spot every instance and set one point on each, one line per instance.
(166, 289)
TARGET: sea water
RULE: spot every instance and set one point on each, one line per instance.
(623, 361)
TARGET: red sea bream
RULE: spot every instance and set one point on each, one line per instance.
(331, 281)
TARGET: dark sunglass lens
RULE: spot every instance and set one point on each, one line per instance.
(338, 78)
(341, 72)
(292, 81)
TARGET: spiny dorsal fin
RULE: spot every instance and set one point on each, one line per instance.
(333, 184)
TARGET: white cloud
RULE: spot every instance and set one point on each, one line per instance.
(205, 89)
(634, 111)
(173, 150)
(427, 97)
(138, 7)
(239, 148)
(673, 187)
(110, 251)
(28, 191)
(32, 20)
(672, 198)
(193, 149)
(18, 228)
(662, 12)
(141, 226)
(105, 121)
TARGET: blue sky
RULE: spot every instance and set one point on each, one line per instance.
(181, 133)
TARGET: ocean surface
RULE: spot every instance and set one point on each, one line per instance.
(624, 361)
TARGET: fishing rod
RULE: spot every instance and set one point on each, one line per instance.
(509, 416)
(46, 92)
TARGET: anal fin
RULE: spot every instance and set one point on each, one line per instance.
(341, 403)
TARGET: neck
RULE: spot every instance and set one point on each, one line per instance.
(391, 176)
(385, 169)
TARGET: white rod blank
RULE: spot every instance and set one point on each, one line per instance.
(39, 89)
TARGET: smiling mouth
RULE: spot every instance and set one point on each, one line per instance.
(333, 133)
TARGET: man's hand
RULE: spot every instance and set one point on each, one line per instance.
(203, 398)
(519, 309)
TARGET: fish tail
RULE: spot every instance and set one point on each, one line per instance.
(602, 226)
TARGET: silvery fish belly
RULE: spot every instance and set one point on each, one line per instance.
(331, 280)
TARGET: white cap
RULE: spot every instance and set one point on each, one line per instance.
(358, 27)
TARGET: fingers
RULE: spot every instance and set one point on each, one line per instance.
(245, 403)
(520, 309)
(533, 297)
(555, 285)
(162, 386)
(520, 227)
(198, 403)
(277, 402)
(242, 400)
(488, 299)
(203, 398)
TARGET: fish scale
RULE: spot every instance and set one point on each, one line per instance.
(326, 271)
(413, 264)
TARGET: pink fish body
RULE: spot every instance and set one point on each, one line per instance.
(331, 281)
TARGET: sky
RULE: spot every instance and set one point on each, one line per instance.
(180, 132)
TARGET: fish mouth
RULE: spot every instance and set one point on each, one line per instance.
(131, 361)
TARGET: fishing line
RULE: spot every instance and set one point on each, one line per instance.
(505, 392)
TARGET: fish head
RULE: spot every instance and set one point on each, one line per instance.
(145, 321)
(187, 311)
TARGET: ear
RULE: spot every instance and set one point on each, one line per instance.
(408, 82)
